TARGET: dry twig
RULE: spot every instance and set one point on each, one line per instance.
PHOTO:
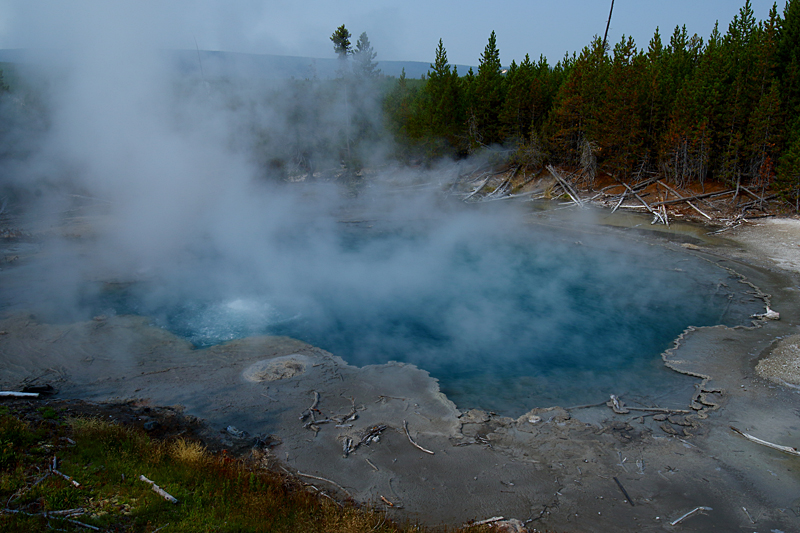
(405, 426)
(690, 513)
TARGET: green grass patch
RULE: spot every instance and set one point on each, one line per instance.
(215, 492)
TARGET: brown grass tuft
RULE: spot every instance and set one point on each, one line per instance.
(189, 452)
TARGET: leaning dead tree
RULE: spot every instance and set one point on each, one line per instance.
(608, 24)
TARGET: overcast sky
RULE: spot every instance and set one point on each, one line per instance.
(408, 30)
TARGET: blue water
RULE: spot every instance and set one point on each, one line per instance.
(507, 320)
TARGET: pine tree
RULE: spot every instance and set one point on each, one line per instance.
(788, 73)
(442, 104)
(364, 64)
(765, 130)
(573, 120)
(621, 133)
(488, 93)
(740, 92)
(341, 42)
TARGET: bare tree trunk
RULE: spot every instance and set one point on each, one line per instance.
(605, 35)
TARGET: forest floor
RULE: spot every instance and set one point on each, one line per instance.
(400, 446)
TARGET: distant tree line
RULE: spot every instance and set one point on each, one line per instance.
(726, 108)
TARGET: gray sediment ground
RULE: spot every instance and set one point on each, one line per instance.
(386, 435)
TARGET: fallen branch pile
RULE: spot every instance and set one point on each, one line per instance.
(728, 208)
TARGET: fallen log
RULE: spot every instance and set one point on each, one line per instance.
(644, 203)
(780, 448)
(566, 186)
(676, 193)
(695, 197)
(13, 394)
(158, 490)
(621, 199)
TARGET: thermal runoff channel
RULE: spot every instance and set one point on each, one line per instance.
(507, 316)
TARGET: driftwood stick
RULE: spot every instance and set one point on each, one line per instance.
(676, 193)
(310, 411)
(13, 394)
(644, 203)
(621, 199)
(301, 474)
(66, 477)
(158, 490)
(695, 197)
(67, 512)
(387, 502)
(659, 409)
(617, 405)
(488, 521)
(566, 186)
(479, 189)
(624, 492)
(780, 448)
(690, 513)
(405, 426)
(87, 526)
(51, 514)
(585, 406)
(751, 193)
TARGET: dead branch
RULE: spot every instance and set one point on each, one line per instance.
(676, 193)
(659, 409)
(644, 203)
(387, 502)
(690, 513)
(479, 189)
(310, 411)
(621, 199)
(75, 483)
(585, 406)
(617, 405)
(487, 521)
(301, 474)
(372, 435)
(695, 197)
(67, 512)
(51, 514)
(405, 426)
(158, 490)
(780, 448)
(565, 185)
(624, 492)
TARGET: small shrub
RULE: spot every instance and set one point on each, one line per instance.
(189, 452)
(48, 413)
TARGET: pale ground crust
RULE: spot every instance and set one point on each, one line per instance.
(559, 468)
(777, 240)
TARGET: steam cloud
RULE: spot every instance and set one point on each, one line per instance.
(173, 177)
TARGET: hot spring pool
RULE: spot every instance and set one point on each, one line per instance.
(506, 318)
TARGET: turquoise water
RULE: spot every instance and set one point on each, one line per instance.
(506, 319)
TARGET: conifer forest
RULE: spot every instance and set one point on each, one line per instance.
(690, 109)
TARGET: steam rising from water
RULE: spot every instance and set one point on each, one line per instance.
(161, 183)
